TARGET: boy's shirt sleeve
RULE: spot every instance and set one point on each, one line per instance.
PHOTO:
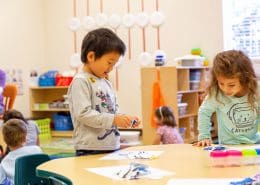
(207, 108)
(3, 177)
(80, 99)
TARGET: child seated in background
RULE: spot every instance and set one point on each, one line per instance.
(167, 132)
(33, 132)
(14, 133)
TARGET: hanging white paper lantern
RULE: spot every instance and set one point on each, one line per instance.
(75, 61)
(88, 23)
(129, 20)
(74, 24)
(120, 62)
(145, 59)
(156, 19)
(114, 21)
(101, 19)
(142, 19)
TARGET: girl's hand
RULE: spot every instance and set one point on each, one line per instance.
(204, 142)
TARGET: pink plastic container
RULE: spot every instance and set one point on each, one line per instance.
(234, 158)
(218, 158)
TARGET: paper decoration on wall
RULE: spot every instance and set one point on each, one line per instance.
(88, 23)
(128, 20)
(117, 67)
(101, 19)
(142, 19)
(114, 21)
(75, 61)
(145, 59)
(120, 62)
(156, 19)
(74, 24)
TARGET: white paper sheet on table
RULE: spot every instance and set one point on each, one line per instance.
(120, 155)
(206, 181)
(111, 172)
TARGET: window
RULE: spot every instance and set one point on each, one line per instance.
(241, 20)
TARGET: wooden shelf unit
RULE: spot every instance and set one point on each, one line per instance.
(173, 81)
(47, 95)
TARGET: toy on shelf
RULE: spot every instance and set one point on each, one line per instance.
(198, 52)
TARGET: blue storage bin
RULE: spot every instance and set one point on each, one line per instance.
(62, 121)
(195, 75)
(48, 78)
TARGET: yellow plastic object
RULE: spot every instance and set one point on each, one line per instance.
(44, 127)
(206, 62)
(196, 51)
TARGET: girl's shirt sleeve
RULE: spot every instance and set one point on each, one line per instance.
(207, 108)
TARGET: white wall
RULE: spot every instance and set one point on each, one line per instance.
(46, 42)
(22, 40)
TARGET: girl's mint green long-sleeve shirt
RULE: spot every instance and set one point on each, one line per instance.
(237, 120)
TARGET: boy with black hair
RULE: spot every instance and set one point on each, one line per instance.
(92, 100)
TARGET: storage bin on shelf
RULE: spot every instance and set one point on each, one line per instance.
(194, 85)
(48, 78)
(44, 127)
(182, 108)
(62, 121)
(179, 98)
(195, 75)
(63, 80)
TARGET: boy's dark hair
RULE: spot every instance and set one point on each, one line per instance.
(101, 41)
(10, 114)
(14, 132)
(165, 114)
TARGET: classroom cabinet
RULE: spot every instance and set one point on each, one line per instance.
(182, 89)
(45, 101)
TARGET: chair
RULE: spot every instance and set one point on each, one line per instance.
(25, 170)
(9, 95)
(59, 180)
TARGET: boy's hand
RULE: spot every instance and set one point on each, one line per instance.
(135, 122)
(204, 142)
(126, 121)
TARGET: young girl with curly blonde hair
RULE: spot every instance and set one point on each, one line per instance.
(232, 94)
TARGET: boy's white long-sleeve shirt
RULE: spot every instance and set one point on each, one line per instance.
(7, 166)
(92, 104)
(237, 121)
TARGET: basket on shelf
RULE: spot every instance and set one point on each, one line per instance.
(44, 127)
(62, 121)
